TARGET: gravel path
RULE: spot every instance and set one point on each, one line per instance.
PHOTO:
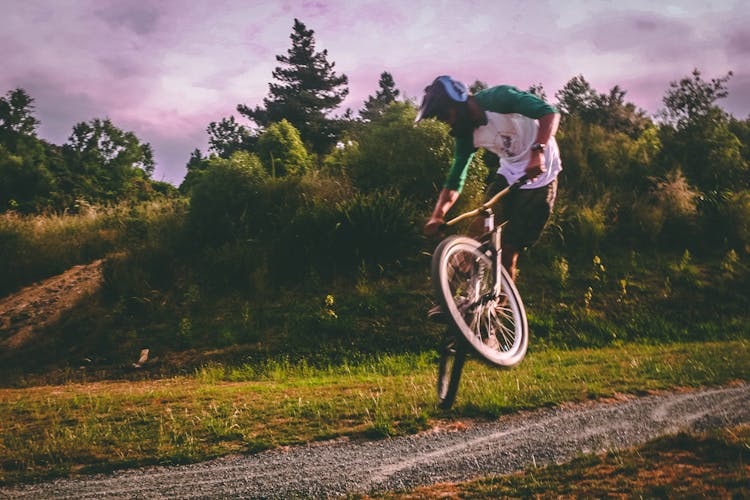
(335, 469)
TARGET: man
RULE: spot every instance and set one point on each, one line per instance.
(517, 126)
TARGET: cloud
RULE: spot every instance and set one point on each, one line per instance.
(58, 109)
(643, 36)
(738, 42)
(139, 17)
(164, 69)
(739, 96)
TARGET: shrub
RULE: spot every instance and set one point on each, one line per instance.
(735, 214)
(224, 201)
(394, 154)
(667, 212)
(281, 150)
(589, 225)
(376, 228)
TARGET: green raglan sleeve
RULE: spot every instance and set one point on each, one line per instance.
(508, 99)
(462, 156)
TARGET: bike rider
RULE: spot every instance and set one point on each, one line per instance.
(517, 126)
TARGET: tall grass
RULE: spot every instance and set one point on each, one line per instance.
(34, 247)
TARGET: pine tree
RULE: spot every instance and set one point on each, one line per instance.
(227, 136)
(375, 105)
(307, 89)
(16, 118)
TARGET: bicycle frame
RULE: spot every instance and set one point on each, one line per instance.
(488, 318)
(493, 234)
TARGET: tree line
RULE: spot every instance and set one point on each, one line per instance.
(680, 175)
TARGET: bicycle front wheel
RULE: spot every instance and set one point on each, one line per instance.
(495, 326)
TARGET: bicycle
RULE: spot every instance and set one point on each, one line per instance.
(484, 308)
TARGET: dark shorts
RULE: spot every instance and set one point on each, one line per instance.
(526, 210)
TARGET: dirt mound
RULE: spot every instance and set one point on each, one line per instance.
(37, 306)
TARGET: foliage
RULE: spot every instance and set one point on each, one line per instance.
(589, 226)
(16, 116)
(307, 89)
(196, 167)
(708, 153)
(477, 86)
(667, 211)
(277, 239)
(610, 110)
(735, 220)
(692, 99)
(100, 146)
(376, 105)
(25, 180)
(538, 90)
(393, 153)
(35, 247)
(377, 228)
(222, 201)
(227, 137)
(100, 163)
(281, 150)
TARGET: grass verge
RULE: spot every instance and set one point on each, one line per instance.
(54, 431)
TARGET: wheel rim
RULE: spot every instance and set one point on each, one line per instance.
(495, 326)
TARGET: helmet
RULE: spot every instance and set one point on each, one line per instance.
(439, 96)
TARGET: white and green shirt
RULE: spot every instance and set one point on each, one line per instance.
(510, 131)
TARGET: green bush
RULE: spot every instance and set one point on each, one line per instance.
(377, 228)
(735, 214)
(393, 153)
(588, 225)
(281, 150)
(327, 238)
(224, 202)
(155, 240)
(307, 243)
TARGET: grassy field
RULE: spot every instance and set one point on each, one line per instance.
(52, 431)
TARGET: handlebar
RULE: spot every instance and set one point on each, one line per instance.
(489, 203)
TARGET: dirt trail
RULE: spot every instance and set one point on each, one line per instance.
(345, 468)
(27, 311)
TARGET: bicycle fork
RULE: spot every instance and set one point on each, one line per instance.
(496, 250)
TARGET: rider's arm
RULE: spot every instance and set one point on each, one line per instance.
(463, 153)
(446, 200)
(547, 129)
(454, 183)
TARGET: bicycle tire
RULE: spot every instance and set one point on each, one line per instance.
(462, 276)
(452, 359)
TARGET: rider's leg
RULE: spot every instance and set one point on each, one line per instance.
(510, 259)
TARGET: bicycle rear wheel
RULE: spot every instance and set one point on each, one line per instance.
(463, 278)
(452, 358)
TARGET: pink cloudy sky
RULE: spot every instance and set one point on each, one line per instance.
(165, 69)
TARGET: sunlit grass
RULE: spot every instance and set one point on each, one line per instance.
(58, 430)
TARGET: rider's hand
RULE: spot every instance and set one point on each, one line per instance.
(432, 227)
(536, 165)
